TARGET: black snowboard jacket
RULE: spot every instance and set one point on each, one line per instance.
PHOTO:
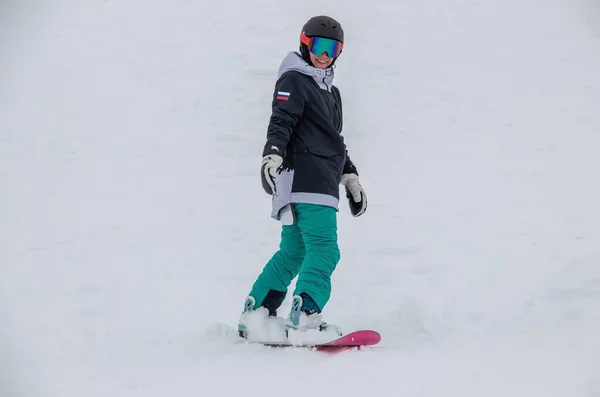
(305, 129)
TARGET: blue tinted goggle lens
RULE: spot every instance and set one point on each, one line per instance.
(320, 45)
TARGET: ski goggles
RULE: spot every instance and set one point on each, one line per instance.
(319, 45)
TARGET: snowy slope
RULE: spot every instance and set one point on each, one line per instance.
(133, 223)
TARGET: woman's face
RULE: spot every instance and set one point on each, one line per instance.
(322, 61)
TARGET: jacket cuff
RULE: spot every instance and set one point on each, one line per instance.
(349, 168)
(272, 149)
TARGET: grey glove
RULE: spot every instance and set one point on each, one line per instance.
(357, 198)
(271, 165)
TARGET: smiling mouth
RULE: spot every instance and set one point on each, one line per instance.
(323, 62)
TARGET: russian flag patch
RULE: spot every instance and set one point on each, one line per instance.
(282, 96)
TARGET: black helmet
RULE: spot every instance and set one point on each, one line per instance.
(322, 26)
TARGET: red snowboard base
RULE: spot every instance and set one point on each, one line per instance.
(356, 339)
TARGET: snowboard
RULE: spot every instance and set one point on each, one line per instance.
(353, 340)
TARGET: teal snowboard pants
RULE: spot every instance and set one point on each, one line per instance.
(309, 250)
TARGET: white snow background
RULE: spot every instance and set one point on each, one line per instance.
(133, 222)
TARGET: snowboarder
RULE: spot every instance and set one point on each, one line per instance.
(304, 162)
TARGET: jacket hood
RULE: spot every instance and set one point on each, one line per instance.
(294, 61)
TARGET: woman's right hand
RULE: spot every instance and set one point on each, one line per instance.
(271, 164)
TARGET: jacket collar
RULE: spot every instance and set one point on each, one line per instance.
(294, 61)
